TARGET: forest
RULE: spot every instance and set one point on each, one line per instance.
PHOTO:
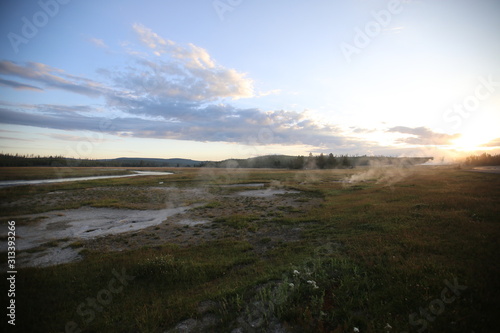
(482, 160)
(300, 162)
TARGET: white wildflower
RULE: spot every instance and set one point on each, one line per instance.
(387, 326)
(291, 285)
(355, 329)
(313, 284)
(296, 272)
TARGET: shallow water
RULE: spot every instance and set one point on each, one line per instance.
(88, 223)
(488, 169)
(67, 226)
(265, 193)
(6, 183)
(244, 185)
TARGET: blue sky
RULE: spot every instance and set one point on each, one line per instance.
(210, 80)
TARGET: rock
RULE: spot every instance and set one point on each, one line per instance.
(206, 306)
(238, 330)
(209, 320)
(186, 326)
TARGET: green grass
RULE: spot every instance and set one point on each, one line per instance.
(239, 221)
(377, 253)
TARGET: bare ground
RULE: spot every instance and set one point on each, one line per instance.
(187, 216)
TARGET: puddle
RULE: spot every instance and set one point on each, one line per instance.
(49, 257)
(83, 223)
(192, 222)
(6, 183)
(265, 193)
(488, 169)
(244, 185)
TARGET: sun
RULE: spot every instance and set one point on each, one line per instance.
(476, 136)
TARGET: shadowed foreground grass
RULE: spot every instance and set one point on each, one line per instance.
(418, 255)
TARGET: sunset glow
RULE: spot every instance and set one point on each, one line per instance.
(206, 81)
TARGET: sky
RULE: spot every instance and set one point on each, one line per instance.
(217, 79)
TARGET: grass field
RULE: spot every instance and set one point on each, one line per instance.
(410, 250)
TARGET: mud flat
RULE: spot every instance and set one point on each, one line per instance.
(265, 193)
(61, 228)
(57, 236)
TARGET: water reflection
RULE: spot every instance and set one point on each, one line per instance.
(6, 183)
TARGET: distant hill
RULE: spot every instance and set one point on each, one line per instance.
(156, 162)
(61, 161)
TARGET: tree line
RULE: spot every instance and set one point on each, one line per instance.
(311, 161)
(483, 160)
(17, 160)
(320, 161)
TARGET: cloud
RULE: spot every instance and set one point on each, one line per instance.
(16, 139)
(192, 55)
(395, 30)
(359, 130)
(214, 123)
(492, 143)
(98, 42)
(17, 85)
(270, 92)
(183, 71)
(181, 74)
(77, 138)
(51, 77)
(423, 136)
(172, 92)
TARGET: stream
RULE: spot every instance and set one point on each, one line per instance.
(6, 183)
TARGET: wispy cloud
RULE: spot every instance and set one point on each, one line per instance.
(15, 139)
(423, 136)
(492, 143)
(394, 30)
(17, 85)
(98, 42)
(51, 77)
